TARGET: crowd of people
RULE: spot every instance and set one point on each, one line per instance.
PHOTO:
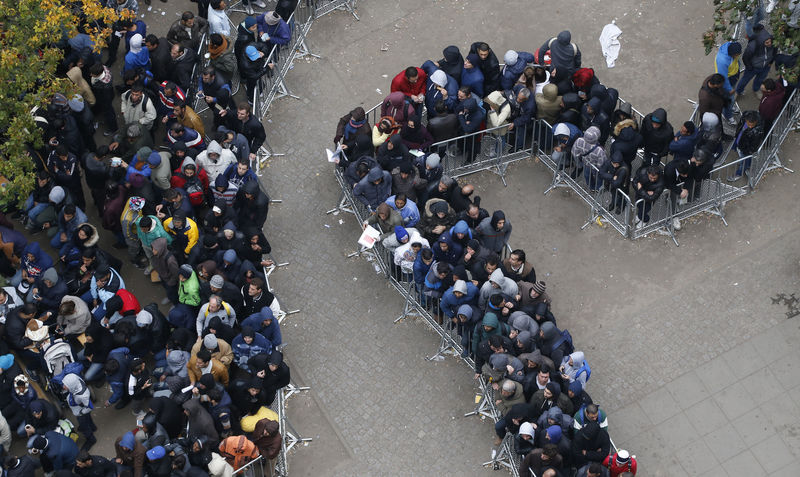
(178, 194)
(550, 97)
(457, 254)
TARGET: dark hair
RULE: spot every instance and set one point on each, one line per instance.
(496, 299)
(545, 368)
(595, 468)
(179, 103)
(137, 87)
(187, 15)
(177, 128)
(550, 450)
(170, 85)
(87, 229)
(62, 150)
(209, 70)
(181, 49)
(690, 127)
(96, 69)
(493, 260)
(244, 106)
(125, 24)
(111, 366)
(653, 170)
(83, 456)
(496, 341)
(769, 84)
(682, 167)
(70, 209)
(440, 107)
(204, 355)
(29, 309)
(592, 408)
(751, 116)
(258, 283)
(716, 79)
(427, 254)
(215, 4)
(519, 253)
(152, 39)
(215, 394)
(216, 39)
(483, 46)
(400, 196)
(466, 89)
(129, 75)
(411, 72)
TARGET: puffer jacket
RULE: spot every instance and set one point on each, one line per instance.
(588, 150)
(370, 194)
(548, 104)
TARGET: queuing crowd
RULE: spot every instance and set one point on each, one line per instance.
(550, 97)
(452, 249)
(179, 197)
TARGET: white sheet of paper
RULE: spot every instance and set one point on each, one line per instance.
(369, 237)
(333, 156)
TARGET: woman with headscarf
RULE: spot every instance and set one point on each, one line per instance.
(392, 153)
(396, 107)
(383, 130)
(452, 63)
(416, 136)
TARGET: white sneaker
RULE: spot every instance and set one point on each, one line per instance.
(259, 4)
(676, 224)
(148, 270)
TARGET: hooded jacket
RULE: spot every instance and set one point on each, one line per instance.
(242, 351)
(404, 256)
(200, 421)
(656, 140)
(506, 286)
(683, 147)
(453, 253)
(396, 106)
(60, 452)
(588, 149)
(548, 104)
(471, 117)
(253, 211)
(189, 291)
(215, 168)
(79, 400)
(497, 328)
(726, 65)
(188, 233)
(268, 445)
(451, 304)
(628, 140)
(491, 238)
(40, 261)
(432, 94)
(757, 55)
(164, 262)
(565, 56)
(271, 332)
(510, 73)
(370, 194)
(500, 116)
(131, 452)
(710, 100)
(452, 63)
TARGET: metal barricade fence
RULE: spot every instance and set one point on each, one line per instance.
(324, 7)
(766, 158)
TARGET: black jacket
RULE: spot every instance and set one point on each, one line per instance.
(160, 59)
(490, 68)
(252, 129)
(656, 187)
(607, 173)
(483, 352)
(101, 467)
(627, 143)
(181, 69)
(252, 212)
(656, 140)
(443, 126)
(672, 179)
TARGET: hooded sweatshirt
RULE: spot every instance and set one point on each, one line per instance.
(565, 56)
(164, 262)
(78, 321)
(506, 286)
(41, 261)
(215, 168)
(548, 104)
(371, 194)
(588, 150)
(657, 140)
(79, 400)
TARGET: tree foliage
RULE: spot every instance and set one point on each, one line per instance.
(728, 14)
(32, 33)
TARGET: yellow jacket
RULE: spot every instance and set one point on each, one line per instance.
(190, 229)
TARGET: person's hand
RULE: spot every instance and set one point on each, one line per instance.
(518, 297)
(113, 146)
(147, 384)
(195, 391)
(495, 386)
(35, 291)
(477, 375)
(63, 237)
(253, 156)
(510, 369)
(261, 374)
(164, 119)
(344, 147)
(510, 126)
(684, 193)
(475, 282)
(117, 460)
(498, 402)
(649, 192)
(584, 452)
(30, 430)
(638, 185)
(468, 256)
(88, 357)
(210, 99)
(104, 322)
(46, 225)
(163, 378)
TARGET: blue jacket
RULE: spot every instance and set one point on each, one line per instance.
(432, 95)
(41, 261)
(233, 177)
(137, 60)
(511, 74)
(450, 304)
(272, 332)
(473, 77)
(409, 213)
(473, 119)
(61, 450)
(243, 351)
(70, 227)
(723, 64)
(527, 109)
(420, 270)
(119, 379)
(683, 148)
(453, 253)
(279, 34)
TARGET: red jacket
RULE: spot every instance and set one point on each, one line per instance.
(400, 83)
(615, 469)
(129, 302)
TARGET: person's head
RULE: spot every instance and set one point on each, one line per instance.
(716, 81)
(176, 51)
(653, 173)
(768, 85)
(491, 264)
(242, 167)
(543, 377)
(209, 73)
(216, 40)
(444, 183)
(427, 256)
(688, 128)
(594, 470)
(243, 111)
(768, 42)
(523, 95)
(592, 411)
(508, 388)
(496, 343)
(187, 18)
(218, 4)
(483, 51)
(683, 169)
(751, 118)
(67, 308)
(440, 107)
(443, 270)
(256, 287)
(412, 75)
(137, 91)
(151, 42)
(498, 220)
(214, 304)
(734, 49)
(248, 334)
(464, 92)
(84, 459)
(177, 130)
(473, 211)
(203, 357)
(517, 257)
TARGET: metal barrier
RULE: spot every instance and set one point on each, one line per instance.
(324, 7)
(425, 304)
(766, 158)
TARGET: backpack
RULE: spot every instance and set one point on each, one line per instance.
(574, 46)
(238, 449)
(584, 369)
(195, 192)
(566, 339)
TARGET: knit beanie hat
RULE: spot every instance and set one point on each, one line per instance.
(510, 58)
